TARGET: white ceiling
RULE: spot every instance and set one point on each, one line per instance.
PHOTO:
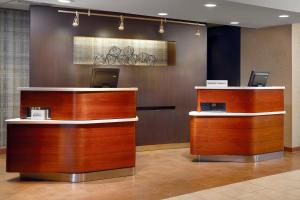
(14, 4)
(250, 13)
(289, 5)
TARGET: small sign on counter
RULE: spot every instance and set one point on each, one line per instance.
(38, 113)
(217, 83)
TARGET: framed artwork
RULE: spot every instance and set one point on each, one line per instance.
(113, 51)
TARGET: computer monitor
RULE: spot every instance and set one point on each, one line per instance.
(105, 77)
(258, 79)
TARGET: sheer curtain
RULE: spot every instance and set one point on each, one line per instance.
(14, 63)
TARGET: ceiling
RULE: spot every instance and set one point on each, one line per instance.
(250, 13)
(14, 4)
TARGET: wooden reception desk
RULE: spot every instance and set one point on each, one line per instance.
(91, 134)
(249, 128)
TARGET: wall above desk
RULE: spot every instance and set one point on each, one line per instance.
(119, 52)
(51, 65)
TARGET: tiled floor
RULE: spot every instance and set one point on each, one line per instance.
(159, 174)
(284, 186)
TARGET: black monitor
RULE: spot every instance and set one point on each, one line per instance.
(105, 77)
(258, 79)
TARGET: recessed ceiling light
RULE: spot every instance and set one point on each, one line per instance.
(234, 23)
(210, 5)
(65, 1)
(162, 14)
(283, 16)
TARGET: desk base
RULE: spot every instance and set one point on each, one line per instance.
(78, 177)
(238, 158)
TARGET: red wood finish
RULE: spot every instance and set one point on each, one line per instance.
(291, 149)
(2, 151)
(70, 148)
(236, 135)
(81, 105)
(249, 101)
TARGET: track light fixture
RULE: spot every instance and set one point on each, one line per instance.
(122, 17)
(198, 33)
(121, 27)
(161, 27)
(76, 19)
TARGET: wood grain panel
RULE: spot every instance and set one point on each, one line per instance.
(291, 149)
(236, 135)
(244, 100)
(70, 148)
(82, 105)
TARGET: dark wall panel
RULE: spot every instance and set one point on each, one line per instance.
(51, 65)
(223, 54)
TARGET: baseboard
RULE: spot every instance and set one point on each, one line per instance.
(2, 150)
(162, 146)
(291, 149)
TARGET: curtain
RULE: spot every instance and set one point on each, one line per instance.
(14, 63)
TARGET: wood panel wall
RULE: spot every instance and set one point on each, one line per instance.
(236, 135)
(249, 101)
(81, 105)
(51, 65)
(70, 148)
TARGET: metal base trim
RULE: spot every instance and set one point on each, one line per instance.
(79, 177)
(239, 158)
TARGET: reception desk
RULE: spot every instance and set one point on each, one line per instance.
(237, 124)
(91, 134)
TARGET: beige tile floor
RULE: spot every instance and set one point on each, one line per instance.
(159, 174)
(284, 186)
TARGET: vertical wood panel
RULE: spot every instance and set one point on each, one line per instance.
(244, 100)
(70, 148)
(236, 135)
(81, 105)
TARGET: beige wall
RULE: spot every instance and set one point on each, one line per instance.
(296, 85)
(270, 49)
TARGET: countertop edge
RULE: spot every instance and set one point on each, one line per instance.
(66, 89)
(240, 88)
(227, 114)
(101, 121)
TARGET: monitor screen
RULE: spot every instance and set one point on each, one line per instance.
(258, 79)
(105, 77)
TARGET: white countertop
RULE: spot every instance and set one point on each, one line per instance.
(67, 89)
(227, 114)
(101, 121)
(240, 88)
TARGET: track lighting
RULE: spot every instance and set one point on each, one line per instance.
(76, 20)
(122, 17)
(121, 27)
(198, 33)
(161, 27)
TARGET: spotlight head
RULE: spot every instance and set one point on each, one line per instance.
(76, 19)
(121, 26)
(161, 27)
(198, 33)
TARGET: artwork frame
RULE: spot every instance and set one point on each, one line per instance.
(120, 52)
